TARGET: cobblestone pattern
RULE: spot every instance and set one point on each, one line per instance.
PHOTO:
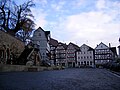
(68, 79)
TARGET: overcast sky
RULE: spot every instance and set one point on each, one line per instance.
(79, 21)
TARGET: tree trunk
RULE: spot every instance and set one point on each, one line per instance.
(7, 25)
(17, 27)
(4, 18)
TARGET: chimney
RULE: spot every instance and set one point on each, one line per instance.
(109, 45)
(119, 40)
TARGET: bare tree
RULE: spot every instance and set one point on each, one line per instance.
(4, 14)
(15, 17)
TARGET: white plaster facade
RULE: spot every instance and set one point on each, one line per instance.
(85, 56)
(40, 40)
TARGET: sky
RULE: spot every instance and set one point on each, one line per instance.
(79, 21)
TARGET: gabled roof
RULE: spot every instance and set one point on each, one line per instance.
(75, 46)
(46, 32)
(89, 48)
(53, 42)
(63, 44)
(40, 29)
(102, 44)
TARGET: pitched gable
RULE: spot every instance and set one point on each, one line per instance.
(88, 48)
(62, 44)
(40, 32)
(74, 46)
(102, 46)
(53, 42)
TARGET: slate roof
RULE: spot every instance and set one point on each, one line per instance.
(53, 42)
(90, 48)
(103, 44)
(75, 46)
(63, 44)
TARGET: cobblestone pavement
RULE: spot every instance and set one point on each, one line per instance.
(68, 79)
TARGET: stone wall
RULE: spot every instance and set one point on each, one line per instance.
(11, 42)
(10, 68)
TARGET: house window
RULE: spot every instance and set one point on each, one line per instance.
(87, 57)
(84, 62)
(84, 57)
(87, 62)
(81, 57)
(90, 62)
(90, 56)
(39, 34)
(96, 61)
